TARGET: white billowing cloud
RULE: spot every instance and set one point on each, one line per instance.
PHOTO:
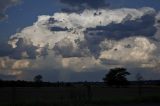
(138, 50)
(80, 64)
(40, 34)
(67, 49)
(21, 64)
(60, 36)
(87, 19)
(50, 62)
(18, 67)
(57, 62)
(13, 67)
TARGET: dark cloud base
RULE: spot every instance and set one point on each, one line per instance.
(139, 27)
(80, 5)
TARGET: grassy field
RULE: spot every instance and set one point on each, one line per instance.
(78, 96)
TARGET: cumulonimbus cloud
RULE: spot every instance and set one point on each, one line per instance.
(44, 31)
(79, 42)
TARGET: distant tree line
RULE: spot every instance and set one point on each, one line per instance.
(32, 84)
(69, 84)
(116, 77)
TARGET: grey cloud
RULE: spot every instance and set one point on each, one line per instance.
(94, 75)
(80, 5)
(4, 4)
(22, 47)
(157, 25)
(65, 75)
(128, 28)
(143, 26)
(58, 29)
(7, 77)
(147, 73)
(66, 48)
(91, 75)
(24, 50)
(5, 49)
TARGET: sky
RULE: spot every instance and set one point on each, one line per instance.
(79, 40)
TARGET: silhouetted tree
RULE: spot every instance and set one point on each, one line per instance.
(116, 77)
(38, 78)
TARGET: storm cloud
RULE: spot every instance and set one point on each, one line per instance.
(80, 5)
(93, 40)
